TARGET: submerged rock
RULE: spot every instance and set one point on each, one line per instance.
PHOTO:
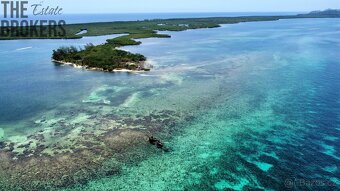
(155, 141)
(2, 133)
(2, 144)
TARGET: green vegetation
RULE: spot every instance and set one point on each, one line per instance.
(129, 39)
(105, 57)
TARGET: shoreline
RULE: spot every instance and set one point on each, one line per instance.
(98, 69)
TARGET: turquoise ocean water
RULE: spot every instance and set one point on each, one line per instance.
(263, 100)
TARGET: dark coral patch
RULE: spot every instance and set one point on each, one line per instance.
(76, 160)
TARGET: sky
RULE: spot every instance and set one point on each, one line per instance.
(158, 6)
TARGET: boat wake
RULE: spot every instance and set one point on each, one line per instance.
(24, 48)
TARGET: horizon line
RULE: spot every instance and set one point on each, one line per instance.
(1, 14)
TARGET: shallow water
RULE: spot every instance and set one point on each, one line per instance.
(257, 106)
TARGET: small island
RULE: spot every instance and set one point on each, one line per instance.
(106, 57)
(103, 57)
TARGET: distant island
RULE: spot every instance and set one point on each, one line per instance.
(328, 13)
(107, 57)
(148, 28)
